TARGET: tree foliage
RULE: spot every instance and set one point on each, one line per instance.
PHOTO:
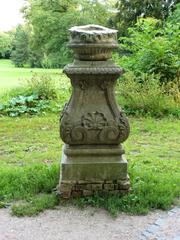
(5, 44)
(130, 11)
(20, 51)
(50, 20)
(153, 47)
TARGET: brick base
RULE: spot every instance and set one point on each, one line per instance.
(68, 189)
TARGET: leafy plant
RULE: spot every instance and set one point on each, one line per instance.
(129, 11)
(143, 95)
(24, 104)
(153, 48)
(43, 86)
(39, 94)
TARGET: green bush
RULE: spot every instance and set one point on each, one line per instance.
(39, 94)
(39, 84)
(24, 105)
(151, 84)
(144, 95)
(43, 86)
(152, 48)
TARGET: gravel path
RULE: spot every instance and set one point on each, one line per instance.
(69, 223)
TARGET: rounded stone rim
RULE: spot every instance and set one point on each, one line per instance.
(92, 29)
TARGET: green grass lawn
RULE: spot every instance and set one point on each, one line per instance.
(11, 76)
(30, 153)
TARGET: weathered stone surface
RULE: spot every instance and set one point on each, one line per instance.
(77, 194)
(82, 182)
(98, 181)
(92, 34)
(116, 186)
(89, 186)
(81, 186)
(97, 186)
(87, 193)
(66, 187)
(65, 194)
(109, 181)
(92, 42)
(109, 186)
(92, 125)
(124, 185)
(93, 166)
(75, 189)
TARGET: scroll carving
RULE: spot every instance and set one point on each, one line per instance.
(94, 128)
(92, 116)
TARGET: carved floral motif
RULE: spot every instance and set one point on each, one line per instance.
(105, 132)
(93, 77)
(94, 120)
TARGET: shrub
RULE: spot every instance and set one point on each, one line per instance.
(153, 48)
(43, 86)
(38, 95)
(173, 88)
(145, 95)
(39, 84)
(24, 104)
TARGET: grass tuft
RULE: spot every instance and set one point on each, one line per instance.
(21, 182)
(34, 205)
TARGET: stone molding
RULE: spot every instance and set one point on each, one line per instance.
(92, 42)
(92, 125)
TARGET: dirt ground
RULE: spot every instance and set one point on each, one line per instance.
(69, 223)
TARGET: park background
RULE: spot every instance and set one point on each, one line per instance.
(33, 91)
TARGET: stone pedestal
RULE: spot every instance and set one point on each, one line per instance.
(92, 125)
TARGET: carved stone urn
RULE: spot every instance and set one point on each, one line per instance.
(92, 125)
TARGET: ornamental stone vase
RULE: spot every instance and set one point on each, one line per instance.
(92, 125)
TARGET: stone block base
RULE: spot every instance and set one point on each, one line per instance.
(85, 171)
(84, 188)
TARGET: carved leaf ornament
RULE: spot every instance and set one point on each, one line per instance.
(92, 72)
(94, 128)
(94, 121)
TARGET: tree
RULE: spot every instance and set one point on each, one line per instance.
(130, 11)
(153, 47)
(5, 45)
(49, 21)
(20, 51)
